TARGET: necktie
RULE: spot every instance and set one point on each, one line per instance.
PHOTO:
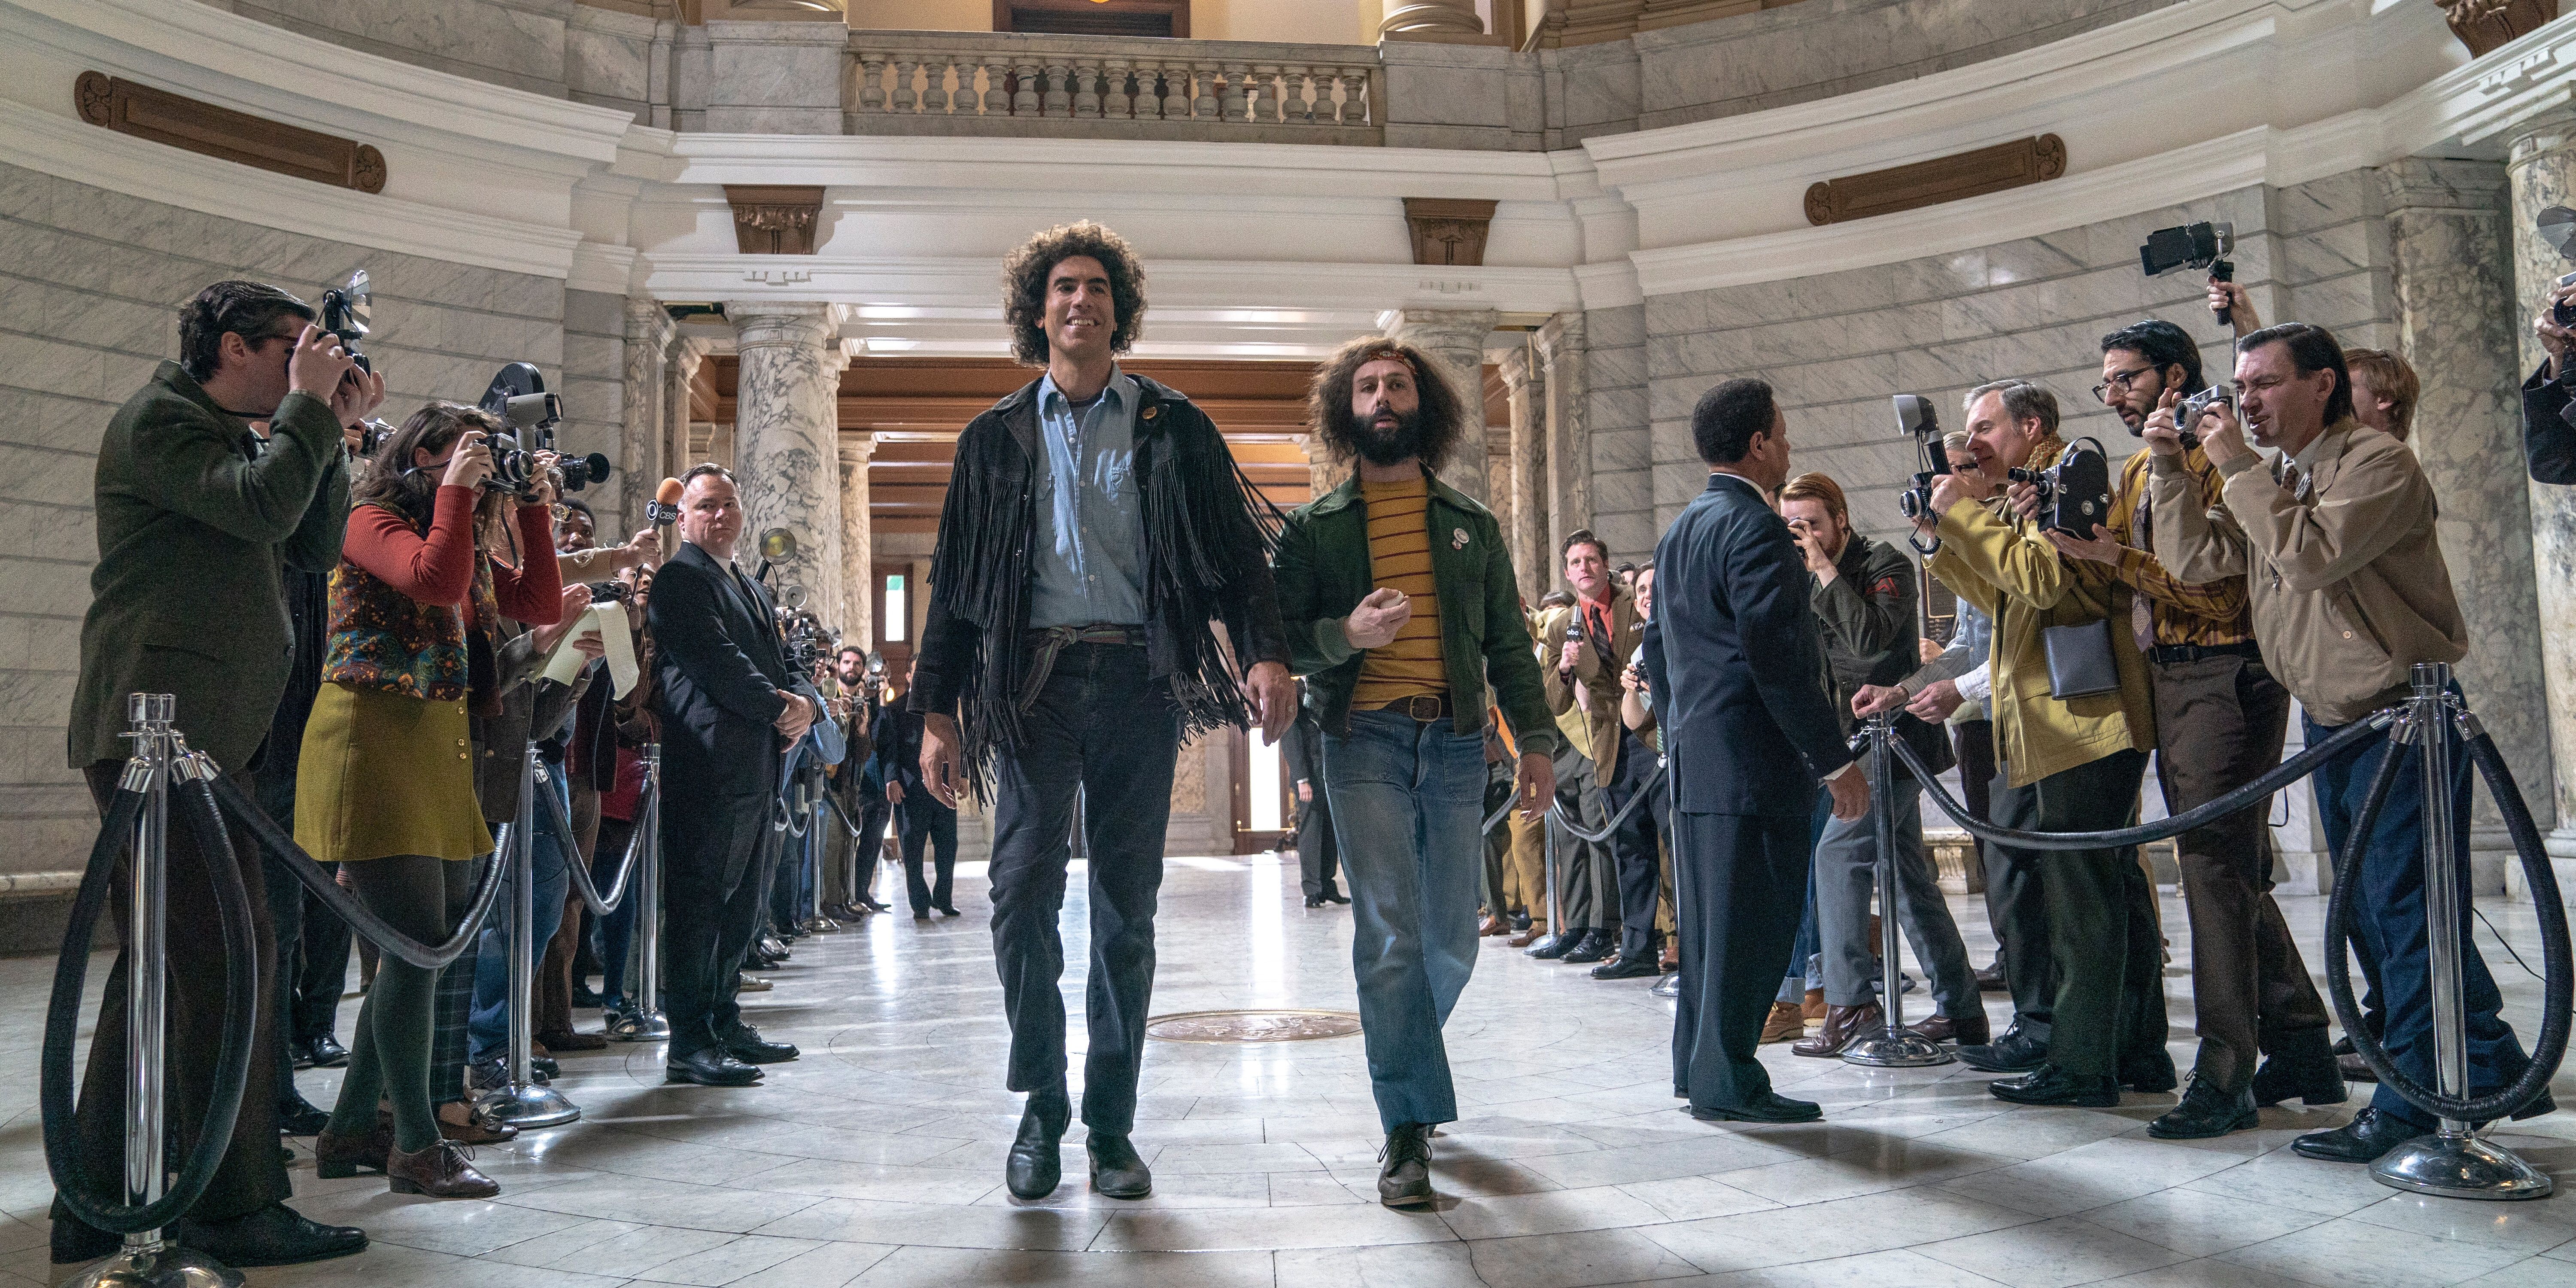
(2142, 615)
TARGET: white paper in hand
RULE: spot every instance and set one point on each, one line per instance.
(608, 622)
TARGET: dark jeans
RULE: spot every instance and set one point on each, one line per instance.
(1318, 852)
(1737, 880)
(488, 1026)
(614, 933)
(250, 1177)
(929, 826)
(2389, 925)
(1806, 964)
(1638, 844)
(868, 853)
(2218, 726)
(1104, 726)
(2110, 1003)
(716, 855)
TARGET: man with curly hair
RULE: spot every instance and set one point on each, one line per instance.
(1402, 608)
(1096, 528)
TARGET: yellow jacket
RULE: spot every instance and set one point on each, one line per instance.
(1992, 559)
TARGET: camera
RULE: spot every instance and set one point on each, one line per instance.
(517, 397)
(2202, 245)
(610, 592)
(372, 434)
(2557, 226)
(346, 310)
(1915, 418)
(2188, 412)
(2075, 492)
(807, 642)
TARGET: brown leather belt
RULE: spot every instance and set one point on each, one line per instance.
(1425, 708)
(1045, 643)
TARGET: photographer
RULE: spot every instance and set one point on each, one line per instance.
(2219, 719)
(1863, 599)
(197, 519)
(387, 775)
(921, 819)
(850, 863)
(1583, 689)
(2067, 765)
(2549, 397)
(2336, 541)
(2384, 384)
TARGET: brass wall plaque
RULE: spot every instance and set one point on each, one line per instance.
(1929, 183)
(146, 113)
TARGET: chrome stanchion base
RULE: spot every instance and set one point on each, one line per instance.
(1895, 1048)
(2460, 1166)
(165, 1266)
(651, 1027)
(819, 926)
(1668, 986)
(528, 1106)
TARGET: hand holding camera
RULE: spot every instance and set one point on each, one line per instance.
(318, 364)
(470, 463)
(357, 397)
(1811, 546)
(2221, 435)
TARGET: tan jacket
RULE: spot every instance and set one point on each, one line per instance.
(2349, 586)
(1598, 718)
(2001, 564)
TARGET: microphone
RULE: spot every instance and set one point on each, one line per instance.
(663, 511)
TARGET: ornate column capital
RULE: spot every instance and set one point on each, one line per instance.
(769, 323)
(1444, 17)
(858, 446)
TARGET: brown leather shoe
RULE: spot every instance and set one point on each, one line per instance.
(1813, 1012)
(1965, 1030)
(479, 1128)
(1490, 927)
(441, 1172)
(567, 1040)
(1671, 960)
(1525, 938)
(1785, 1024)
(1842, 1024)
(335, 1157)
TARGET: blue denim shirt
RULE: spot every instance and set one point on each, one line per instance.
(1090, 547)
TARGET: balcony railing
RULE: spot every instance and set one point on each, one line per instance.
(962, 83)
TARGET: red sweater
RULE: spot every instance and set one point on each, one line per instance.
(439, 568)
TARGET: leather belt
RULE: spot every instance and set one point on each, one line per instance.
(1425, 708)
(1046, 643)
(2171, 654)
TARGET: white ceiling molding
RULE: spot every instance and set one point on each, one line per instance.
(598, 266)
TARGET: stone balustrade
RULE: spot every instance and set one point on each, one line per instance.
(969, 83)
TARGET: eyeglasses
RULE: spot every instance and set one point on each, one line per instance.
(2120, 380)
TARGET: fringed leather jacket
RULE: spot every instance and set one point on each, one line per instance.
(1207, 539)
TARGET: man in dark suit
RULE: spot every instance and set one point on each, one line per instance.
(729, 705)
(921, 819)
(1734, 659)
(1317, 859)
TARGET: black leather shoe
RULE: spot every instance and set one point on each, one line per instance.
(1334, 895)
(77, 1243)
(2050, 1085)
(325, 1052)
(1771, 1108)
(586, 998)
(1627, 968)
(1036, 1162)
(1404, 1167)
(1550, 947)
(1314, 901)
(2015, 1052)
(709, 1068)
(1519, 921)
(297, 1116)
(1597, 945)
(946, 910)
(2301, 1065)
(2369, 1135)
(276, 1235)
(543, 1068)
(747, 1046)
(1116, 1169)
(2205, 1111)
(1991, 980)
(2150, 1072)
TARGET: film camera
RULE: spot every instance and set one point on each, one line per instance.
(1915, 418)
(2557, 226)
(346, 310)
(2074, 493)
(2188, 412)
(2202, 245)
(517, 397)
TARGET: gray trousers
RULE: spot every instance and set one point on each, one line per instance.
(1587, 874)
(1847, 878)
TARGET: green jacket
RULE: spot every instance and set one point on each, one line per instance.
(196, 523)
(1322, 572)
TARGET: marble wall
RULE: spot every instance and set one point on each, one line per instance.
(94, 281)
(593, 386)
(518, 43)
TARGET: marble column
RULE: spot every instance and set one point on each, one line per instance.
(642, 464)
(2542, 172)
(1439, 17)
(680, 361)
(858, 549)
(1568, 445)
(2455, 321)
(1455, 338)
(787, 434)
(1526, 533)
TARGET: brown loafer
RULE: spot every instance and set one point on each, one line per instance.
(335, 1157)
(1965, 1030)
(1489, 927)
(1785, 1024)
(1842, 1024)
(568, 1040)
(1525, 938)
(441, 1172)
(1671, 958)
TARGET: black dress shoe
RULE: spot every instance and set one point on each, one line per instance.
(747, 1045)
(2205, 1111)
(2050, 1085)
(326, 1052)
(586, 998)
(1314, 901)
(1036, 1162)
(948, 910)
(709, 1068)
(276, 1235)
(2369, 1135)
(2015, 1052)
(1550, 947)
(1771, 1108)
(1520, 921)
(1404, 1167)
(297, 1116)
(1332, 895)
(543, 1068)
(78, 1243)
(1597, 945)
(1627, 968)
(2149, 1072)
(2300, 1065)
(1116, 1169)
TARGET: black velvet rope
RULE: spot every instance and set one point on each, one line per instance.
(274, 839)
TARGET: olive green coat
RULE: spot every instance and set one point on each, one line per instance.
(196, 524)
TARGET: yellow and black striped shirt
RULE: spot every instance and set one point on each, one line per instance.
(1400, 556)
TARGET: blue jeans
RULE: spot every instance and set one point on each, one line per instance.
(488, 1027)
(613, 936)
(1806, 964)
(1406, 798)
(2394, 939)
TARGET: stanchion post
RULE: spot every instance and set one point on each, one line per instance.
(1893, 1046)
(1550, 858)
(815, 923)
(650, 1025)
(2453, 1162)
(525, 1102)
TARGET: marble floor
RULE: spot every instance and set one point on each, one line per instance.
(876, 1160)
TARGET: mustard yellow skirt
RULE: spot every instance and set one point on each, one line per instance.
(384, 774)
